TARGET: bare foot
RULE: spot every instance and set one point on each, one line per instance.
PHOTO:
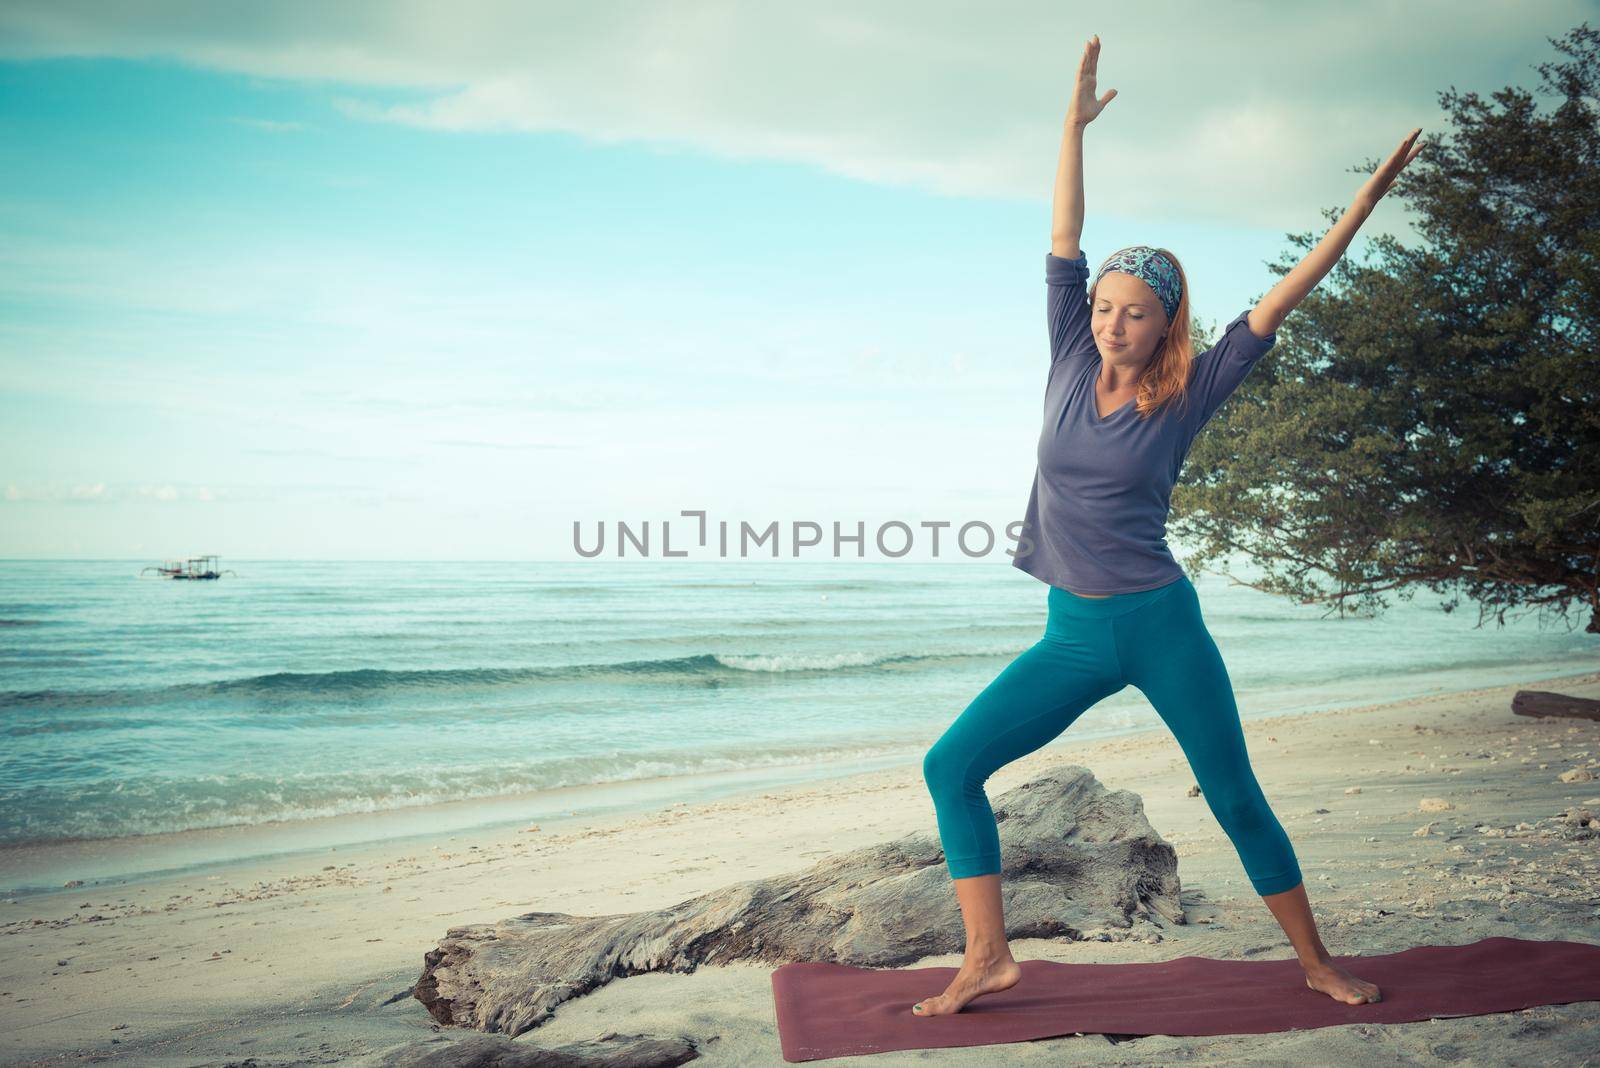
(1340, 985)
(975, 979)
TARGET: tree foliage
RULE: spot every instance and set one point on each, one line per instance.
(1428, 419)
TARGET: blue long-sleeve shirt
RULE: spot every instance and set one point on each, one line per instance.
(1097, 514)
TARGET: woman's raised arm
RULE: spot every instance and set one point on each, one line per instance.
(1268, 315)
(1066, 225)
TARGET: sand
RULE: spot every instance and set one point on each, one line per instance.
(309, 959)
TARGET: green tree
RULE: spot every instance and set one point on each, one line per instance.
(1429, 419)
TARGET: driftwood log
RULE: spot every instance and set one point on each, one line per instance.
(1076, 857)
(496, 1051)
(1545, 703)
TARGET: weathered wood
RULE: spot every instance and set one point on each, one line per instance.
(1076, 857)
(497, 1051)
(1545, 703)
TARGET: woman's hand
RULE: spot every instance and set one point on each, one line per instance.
(1384, 176)
(1292, 288)
(1085, 107)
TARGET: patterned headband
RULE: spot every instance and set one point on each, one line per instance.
(1151, 266)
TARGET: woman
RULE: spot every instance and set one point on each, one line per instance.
(1123, 402)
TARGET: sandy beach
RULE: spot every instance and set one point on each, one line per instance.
(310, 958)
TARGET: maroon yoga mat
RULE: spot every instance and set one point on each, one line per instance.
(833, 1010)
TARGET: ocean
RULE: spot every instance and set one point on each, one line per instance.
(456, 694)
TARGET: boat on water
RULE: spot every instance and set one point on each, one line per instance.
(195, 567)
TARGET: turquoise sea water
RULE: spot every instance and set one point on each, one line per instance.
(296, 690)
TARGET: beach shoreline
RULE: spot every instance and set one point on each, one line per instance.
(311, 956)
(101, 864)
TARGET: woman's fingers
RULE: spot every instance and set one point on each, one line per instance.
(1404, 154)
(1084, 102)
(1398, 157)
(1377, 185)
(1411, 140)
(1406, 148)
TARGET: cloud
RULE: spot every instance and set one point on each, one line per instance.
(269, 125)
(122, 492)
(1240, 112)
(307, 453)
(466, 443)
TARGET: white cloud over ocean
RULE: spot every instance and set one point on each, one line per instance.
(1232, 111)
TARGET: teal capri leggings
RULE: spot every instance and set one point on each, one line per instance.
(1093, 647)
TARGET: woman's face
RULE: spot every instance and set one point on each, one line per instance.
(1127, 319)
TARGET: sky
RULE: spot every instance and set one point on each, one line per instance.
(419, 281)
